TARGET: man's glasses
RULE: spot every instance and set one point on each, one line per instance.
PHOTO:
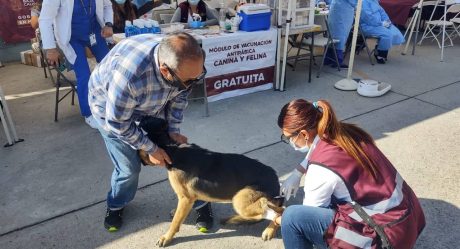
(287, 139)
(188, 83)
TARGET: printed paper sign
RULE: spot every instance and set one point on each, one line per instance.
(239, 63)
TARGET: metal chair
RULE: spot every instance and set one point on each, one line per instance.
(324, 40)
(60, 80)
(362, 44)
(205, 93)
(434, 28)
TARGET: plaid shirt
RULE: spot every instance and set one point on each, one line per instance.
(127, 86)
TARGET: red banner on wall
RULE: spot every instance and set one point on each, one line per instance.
(15, 20)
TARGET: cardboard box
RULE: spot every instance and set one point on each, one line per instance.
(36, 60)
(30, 58)
(24, 55)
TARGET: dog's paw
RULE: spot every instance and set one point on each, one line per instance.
(268, 234)
(163, 241)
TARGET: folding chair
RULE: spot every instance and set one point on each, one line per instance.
(456, 22)
(361, 44)
(205, 93)
(60, 81)
(434, 28)
(204, 98)
(323, 40)
(456, 25)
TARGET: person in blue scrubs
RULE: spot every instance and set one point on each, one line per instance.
(86, 32)
(376, 23)
(341, 16)
(74, 26)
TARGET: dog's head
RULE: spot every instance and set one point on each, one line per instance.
(157, 131)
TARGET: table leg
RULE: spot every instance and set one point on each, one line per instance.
(312, 45)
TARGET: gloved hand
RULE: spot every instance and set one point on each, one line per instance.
(290, 186)
(386, 23)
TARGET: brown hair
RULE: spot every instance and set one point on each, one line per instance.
(130, 13)
(300, 114)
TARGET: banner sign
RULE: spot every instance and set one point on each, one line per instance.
(239, 63)
(15, 20)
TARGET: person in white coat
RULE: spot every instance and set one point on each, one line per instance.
(72, 26)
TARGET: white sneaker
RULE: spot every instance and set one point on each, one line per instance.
(91, 122)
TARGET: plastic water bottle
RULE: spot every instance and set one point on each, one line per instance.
(148, 27)
(142, 28)
(128, 28)
(134, 30)
(155, 27)
(222, 15)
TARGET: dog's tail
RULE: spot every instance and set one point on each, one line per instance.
(239, 220)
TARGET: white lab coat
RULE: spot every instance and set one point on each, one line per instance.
(58, 13)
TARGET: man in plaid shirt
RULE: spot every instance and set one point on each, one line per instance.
(140, 77)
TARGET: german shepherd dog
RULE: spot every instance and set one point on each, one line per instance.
(200, 174)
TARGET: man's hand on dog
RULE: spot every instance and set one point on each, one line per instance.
(160, 157)
(179, 138)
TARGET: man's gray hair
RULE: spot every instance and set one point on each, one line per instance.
(176, 48)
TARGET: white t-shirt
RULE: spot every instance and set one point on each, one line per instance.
(321, 183)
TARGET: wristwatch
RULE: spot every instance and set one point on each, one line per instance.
(109, 24)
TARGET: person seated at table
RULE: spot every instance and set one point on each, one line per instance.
(123, 10)
(186, 9)
(376, 23)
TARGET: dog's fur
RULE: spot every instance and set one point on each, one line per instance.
(200, 174)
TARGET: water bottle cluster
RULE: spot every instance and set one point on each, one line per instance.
(141, 26)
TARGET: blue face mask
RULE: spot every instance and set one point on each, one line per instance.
(120, 1)
(193, 2)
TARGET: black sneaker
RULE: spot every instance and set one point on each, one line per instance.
(205, 220)
(113, 220)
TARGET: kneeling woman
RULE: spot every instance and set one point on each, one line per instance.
(354, 197)
(185, 11)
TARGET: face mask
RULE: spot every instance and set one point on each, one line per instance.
(303, 149)
(120, 1)
(194, 2)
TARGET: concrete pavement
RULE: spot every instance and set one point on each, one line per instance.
(53, 185)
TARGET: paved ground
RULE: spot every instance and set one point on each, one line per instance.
(53, 185)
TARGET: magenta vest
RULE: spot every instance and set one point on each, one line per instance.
(184, 10)
(390, 203)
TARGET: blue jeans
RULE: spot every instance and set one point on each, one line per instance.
(125, 176)
(304, 226)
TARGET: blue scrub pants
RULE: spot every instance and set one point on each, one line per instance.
(81, 66)
(387, 36)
